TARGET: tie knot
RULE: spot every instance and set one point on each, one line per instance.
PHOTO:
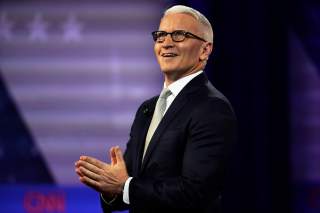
(165, 93)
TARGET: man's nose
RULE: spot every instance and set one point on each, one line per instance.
(168, 42)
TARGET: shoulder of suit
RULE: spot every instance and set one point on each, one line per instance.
(150, 100)
(213, 105)
(148, 104)
(208, 98)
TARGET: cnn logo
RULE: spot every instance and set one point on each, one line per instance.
(38, 202)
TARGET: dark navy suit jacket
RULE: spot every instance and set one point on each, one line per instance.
(184, 166)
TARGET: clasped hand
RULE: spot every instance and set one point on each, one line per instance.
(103, 177)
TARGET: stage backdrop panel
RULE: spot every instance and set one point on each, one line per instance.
(73, 74)
(304, 56)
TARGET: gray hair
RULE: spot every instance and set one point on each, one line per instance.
(208, 33)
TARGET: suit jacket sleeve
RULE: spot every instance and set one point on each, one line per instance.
(210, 132)
(118, 203)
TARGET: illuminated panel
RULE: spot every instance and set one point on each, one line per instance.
(78, 70)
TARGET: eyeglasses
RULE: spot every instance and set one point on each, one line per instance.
(177, 36)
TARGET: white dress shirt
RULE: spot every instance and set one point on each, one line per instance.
(175, 89)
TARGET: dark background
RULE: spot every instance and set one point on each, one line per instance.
(251, 66)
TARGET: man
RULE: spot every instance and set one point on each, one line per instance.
(179, 142)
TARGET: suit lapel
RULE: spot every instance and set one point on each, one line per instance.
(147, 111)
(174, 108)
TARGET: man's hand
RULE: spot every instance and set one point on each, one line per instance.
(103, 177)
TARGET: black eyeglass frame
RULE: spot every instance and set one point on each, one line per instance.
(185, 33)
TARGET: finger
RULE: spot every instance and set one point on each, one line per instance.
(113, 156)
(89, 182)
(87, 173)
(78, 172)
(89, 166)
(119, 155)
(93, 161)
(76, 164)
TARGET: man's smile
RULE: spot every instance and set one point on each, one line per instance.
(169, 54)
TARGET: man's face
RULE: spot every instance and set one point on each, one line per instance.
(178, 59)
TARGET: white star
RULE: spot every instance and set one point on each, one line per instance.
(72, 29)
(5, 27)
(38, 29)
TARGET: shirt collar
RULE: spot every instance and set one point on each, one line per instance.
(178, 85)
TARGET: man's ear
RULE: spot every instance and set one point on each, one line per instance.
(206, 51)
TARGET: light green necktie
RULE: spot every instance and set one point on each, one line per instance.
(157, 116)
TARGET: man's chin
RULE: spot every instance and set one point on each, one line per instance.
(168, 70)
(171, 74)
